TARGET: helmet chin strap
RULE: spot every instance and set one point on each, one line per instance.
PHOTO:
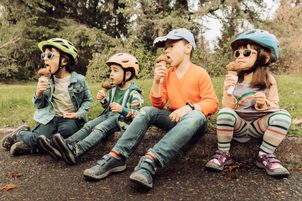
(59, 68)
(124, 78)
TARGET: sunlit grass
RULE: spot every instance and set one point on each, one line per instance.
(16, 106)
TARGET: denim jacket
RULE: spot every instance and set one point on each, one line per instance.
(79, 93)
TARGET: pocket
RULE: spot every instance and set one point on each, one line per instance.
(78, 91)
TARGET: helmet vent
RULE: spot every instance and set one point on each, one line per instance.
(57, 41)
(65, 46)
(125, 61)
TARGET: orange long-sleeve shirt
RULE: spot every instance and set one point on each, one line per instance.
(195, 86)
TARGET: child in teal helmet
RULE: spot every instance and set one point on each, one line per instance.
(251, 103)
(62, 98)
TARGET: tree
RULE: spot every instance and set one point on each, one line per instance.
(287, 27)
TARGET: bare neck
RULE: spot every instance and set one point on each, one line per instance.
(62, 73)
(182, 68)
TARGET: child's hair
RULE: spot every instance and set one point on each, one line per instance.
(260, 77)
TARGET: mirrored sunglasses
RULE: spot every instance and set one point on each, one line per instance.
(47, 55)
(245, 53)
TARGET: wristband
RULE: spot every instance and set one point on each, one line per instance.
(191, 105)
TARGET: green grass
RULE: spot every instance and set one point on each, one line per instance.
(16, 106)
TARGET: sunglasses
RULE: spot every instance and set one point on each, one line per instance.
(245, 53)
(47, 55)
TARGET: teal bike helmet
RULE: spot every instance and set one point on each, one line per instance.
(259, 37)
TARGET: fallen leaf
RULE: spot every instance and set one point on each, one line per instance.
(233, 167)
(14, 174)
(297, 121)
(8, 187)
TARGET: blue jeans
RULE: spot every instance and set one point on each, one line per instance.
(94, 131)
(66, 127)
(177, 136)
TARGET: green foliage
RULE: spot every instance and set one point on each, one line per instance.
(16, 106)
(101, 28)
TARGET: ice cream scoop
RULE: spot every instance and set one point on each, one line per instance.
(164, 60)
(44, 72)
(106, 85)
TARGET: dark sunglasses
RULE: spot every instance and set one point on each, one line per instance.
(245, 53)
(47, 55)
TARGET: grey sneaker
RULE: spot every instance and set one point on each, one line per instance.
(144, 172)
(107, 165)
(49, 147)
(219, 160)
(272, 165)
(20, 148)
(10, 139)
(68, 152)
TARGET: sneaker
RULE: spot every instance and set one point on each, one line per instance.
(144, 172)
(10, 139)
(68, 152)
(219, 160)
(46, 145)
(20, 148)
(107, 165)
(272, 165)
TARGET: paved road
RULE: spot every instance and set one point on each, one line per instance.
(41, 178)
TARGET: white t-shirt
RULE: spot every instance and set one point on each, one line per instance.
(61, 98)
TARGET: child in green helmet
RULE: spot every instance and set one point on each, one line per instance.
(122, 101)
(62, 98)
(251, 103)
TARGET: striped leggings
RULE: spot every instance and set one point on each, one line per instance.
(272, 128)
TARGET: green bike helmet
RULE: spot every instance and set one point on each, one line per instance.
(63, 45)
(259, 37)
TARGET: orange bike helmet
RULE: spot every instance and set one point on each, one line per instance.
(126, 61)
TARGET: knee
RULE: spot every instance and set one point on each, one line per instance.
(226, 114)
(281, 118)
(195, 118)
(146, 112)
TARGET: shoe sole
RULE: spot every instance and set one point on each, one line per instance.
(61, 145)
(215, 168)
(90, 174)
(20, 128)
(15, 147)
(277, 175)
(138, 179)
(46, 147)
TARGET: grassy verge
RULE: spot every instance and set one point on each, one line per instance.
(16, 107)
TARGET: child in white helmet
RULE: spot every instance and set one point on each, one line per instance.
(251, 107)
(122, 102)
(62, 98)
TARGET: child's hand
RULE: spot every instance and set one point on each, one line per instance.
(176, 115)
(260, 98)
(159, 71)
(70, 115)
(41, 86)
(101, 94)
(115, 107)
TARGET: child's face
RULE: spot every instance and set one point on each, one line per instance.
(245, 57)
(51, 59)
(116, 74)
(176, 51)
